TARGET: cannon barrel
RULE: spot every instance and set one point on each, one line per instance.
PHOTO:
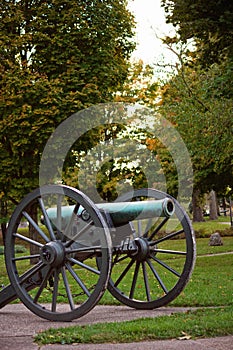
(121, 212)
(124, 212)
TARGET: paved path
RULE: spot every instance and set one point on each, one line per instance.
(18, 326)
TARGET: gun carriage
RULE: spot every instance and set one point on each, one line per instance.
(140, 247)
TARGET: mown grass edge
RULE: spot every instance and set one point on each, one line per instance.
(201, 323)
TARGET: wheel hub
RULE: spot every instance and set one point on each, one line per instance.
(53, 253)
(143, 249)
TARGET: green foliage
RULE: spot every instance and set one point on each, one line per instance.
(57, 57)
(140, 86)
(101, 163)
(206, 228)
(116, 168)
(199, 104)
(1, 250)
(198, 99)
(209, 23)
(18, 249)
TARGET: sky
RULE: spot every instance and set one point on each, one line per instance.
(151, 26)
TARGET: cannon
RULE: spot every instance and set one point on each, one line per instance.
(141, 248)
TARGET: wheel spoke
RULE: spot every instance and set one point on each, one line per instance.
(139, 224)
(75, 238)
(59, 217)
(157, 276)
(135, 277)
(47, 220)
(43, 284)
(29, 240)
(90, 249)
(26, 257)
(28, 274)
(166, 266)
(157, 229)
(167, 237)
(55, 290)
(36, 227)
(85, 266)
(77, 279)
(71, 221)
(122, 275)
(117, 259)
(148, 226)
(166, 251)
(67, 287)
(146, 281)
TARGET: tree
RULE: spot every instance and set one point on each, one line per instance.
(56, 57)
(198, 100)
(109, 169)
(140, 86)
(210, 23)
(119, 156)
(199, 103)
(213, 205)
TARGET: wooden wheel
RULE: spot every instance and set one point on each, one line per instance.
(57, 277)
(159, 261)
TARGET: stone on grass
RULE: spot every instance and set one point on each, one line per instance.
(215, 239)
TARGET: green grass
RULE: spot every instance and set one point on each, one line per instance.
(211, 283)
(214, 270)
(210, 286)
(204, 248)
(191, 324)
(205, 229)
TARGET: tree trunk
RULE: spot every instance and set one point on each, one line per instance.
(3, 231)
(3, 212)
(224, 206)
(197, 206)
(213, 205)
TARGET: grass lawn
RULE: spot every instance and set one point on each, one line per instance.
(210, 289)
(192, 324)
(206, 228)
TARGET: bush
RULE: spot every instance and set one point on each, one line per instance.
(18, 249)
(205, 229)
